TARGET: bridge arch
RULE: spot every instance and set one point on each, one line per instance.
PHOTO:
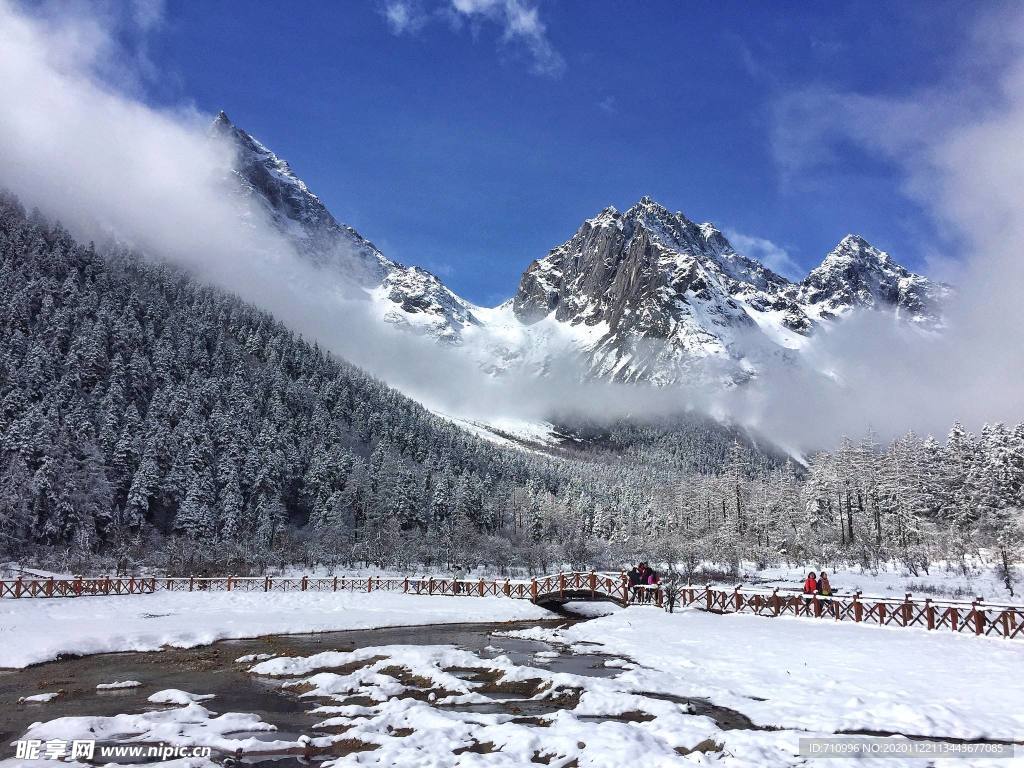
(562, 588)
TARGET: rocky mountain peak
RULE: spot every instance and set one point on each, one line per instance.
(647, 205)
(857, 274)
(410, 297)
(660, 291)
(855, 249)
(272, 179)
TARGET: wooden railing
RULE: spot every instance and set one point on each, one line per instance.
(976, 617)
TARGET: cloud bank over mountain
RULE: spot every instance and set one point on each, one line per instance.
(111, 167)
(958, 145)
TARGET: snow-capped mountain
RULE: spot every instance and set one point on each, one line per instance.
(645, 294)
(662, 294)
(856, 274)
(406, 296)
(667, 299)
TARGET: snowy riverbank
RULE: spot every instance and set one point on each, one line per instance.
(634, 686)
(818, 675)
(33, 631)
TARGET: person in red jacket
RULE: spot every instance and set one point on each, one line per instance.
(810, 588)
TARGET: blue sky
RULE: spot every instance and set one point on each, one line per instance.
(471, 136)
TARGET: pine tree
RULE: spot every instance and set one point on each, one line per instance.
(197, 518)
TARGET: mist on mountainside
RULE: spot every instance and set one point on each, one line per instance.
(65, 121)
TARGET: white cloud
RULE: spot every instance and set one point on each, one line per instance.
(518, 20)
(773, 256)
(404, 16)
(957, 144)
(521, 24)
(109, 167)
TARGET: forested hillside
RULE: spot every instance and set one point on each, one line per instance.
(146, 417)
(138, 405)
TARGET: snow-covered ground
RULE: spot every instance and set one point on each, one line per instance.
(33, 631)
(820, 675)
(769, 682)
(509, 432)
(686, 688)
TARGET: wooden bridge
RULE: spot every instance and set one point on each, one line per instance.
(976, 617)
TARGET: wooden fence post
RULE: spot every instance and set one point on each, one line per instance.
(561, 585)
(775, 601)
(954, 618)
(737, 598)
(191, 582)
(929, 613)
(430, 585)
(858, 608)
(106, 585)
(979, 617)
(908, 610)
(369, 583)
(48, 589)
(709, 595)
(507, 589)
(229, 583)
(78, 585)
(533, 588)
(335, 585)
(817, 606)
(405, 585)
(17, 587)
(592, 583)
(266, 583)
(305, 583)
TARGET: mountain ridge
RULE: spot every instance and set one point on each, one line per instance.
(411, 297)
(645, 294)
(647, 275)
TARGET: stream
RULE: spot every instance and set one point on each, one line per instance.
(212, 670)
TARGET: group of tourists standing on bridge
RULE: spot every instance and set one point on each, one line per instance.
(640, 576)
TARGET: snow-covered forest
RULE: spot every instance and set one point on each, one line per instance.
(147, 419)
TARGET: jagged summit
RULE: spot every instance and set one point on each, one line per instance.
(410, 297)
(856, 249)
(857, 274)
(660, 291)
(854, 240)
(648, 203)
